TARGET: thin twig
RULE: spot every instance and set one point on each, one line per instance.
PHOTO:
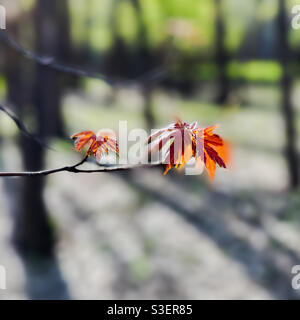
(155, 76)
(74, 169)
(22, 127)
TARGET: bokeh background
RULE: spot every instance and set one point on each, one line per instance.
(137, 234)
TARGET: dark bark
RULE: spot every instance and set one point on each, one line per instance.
(221, 56)
(117, 60)
(148, 108)
(12, 66)
(49, 27)
(144, 57)
(286, 106)
(31, 232)
(34, 231)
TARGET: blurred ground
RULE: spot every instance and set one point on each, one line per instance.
(142, 235)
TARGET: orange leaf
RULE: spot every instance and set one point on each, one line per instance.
(210, 165)
(98, 144)
(186, 141)
(83, 138)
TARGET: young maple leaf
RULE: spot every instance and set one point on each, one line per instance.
(186, 141)
(99, 143)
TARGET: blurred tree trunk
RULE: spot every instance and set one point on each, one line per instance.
(62, 15)
(86, 51)
(287, 109)
(52, 39)
(117, 63)
(12, 66)
(143, 64)
(31, 229)
(148, 112)
(221, 56)
(33, 233)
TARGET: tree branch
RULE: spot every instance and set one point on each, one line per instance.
(74, 169)
(22, 127)
(154, 76)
